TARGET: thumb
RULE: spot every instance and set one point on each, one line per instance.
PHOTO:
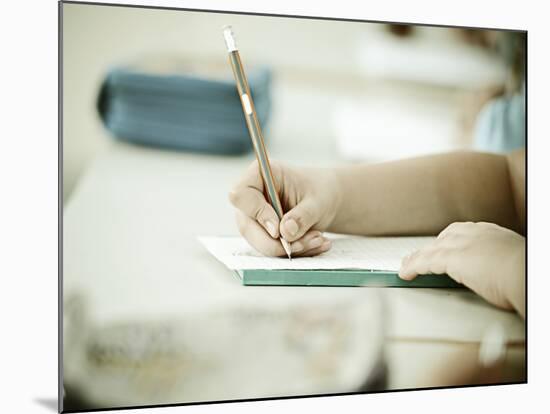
(299, 220)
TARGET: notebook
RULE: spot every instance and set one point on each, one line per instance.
(352, 261)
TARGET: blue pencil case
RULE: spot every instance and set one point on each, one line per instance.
(181, 111)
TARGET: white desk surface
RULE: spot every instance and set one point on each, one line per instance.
(129, 244)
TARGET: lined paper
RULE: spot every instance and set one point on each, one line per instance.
(347, 252)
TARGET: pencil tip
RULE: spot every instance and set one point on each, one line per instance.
(286, 247)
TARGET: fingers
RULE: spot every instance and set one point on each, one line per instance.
(252, 178)
(324, 247)
(311, 244)
(299, 220)
(252, 203)
(438, 257)
(296, 226)
(431, 259)
(257, 236)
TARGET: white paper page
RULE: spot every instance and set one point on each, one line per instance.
(347, 252)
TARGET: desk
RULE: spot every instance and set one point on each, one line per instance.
(130, 253)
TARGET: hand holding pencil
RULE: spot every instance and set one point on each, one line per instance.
(249, 197)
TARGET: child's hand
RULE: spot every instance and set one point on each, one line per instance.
(310, 199)
(487, 258)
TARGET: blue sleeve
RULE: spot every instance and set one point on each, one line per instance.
(500, 125)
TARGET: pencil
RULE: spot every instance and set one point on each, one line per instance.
(254, 128)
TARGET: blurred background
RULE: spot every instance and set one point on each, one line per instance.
(337, 89)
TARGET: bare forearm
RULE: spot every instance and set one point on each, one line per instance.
(423, 195)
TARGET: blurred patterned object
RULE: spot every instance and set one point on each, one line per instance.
(178, 108)
(288, 346)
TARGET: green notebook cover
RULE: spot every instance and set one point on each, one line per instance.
(340, 278)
